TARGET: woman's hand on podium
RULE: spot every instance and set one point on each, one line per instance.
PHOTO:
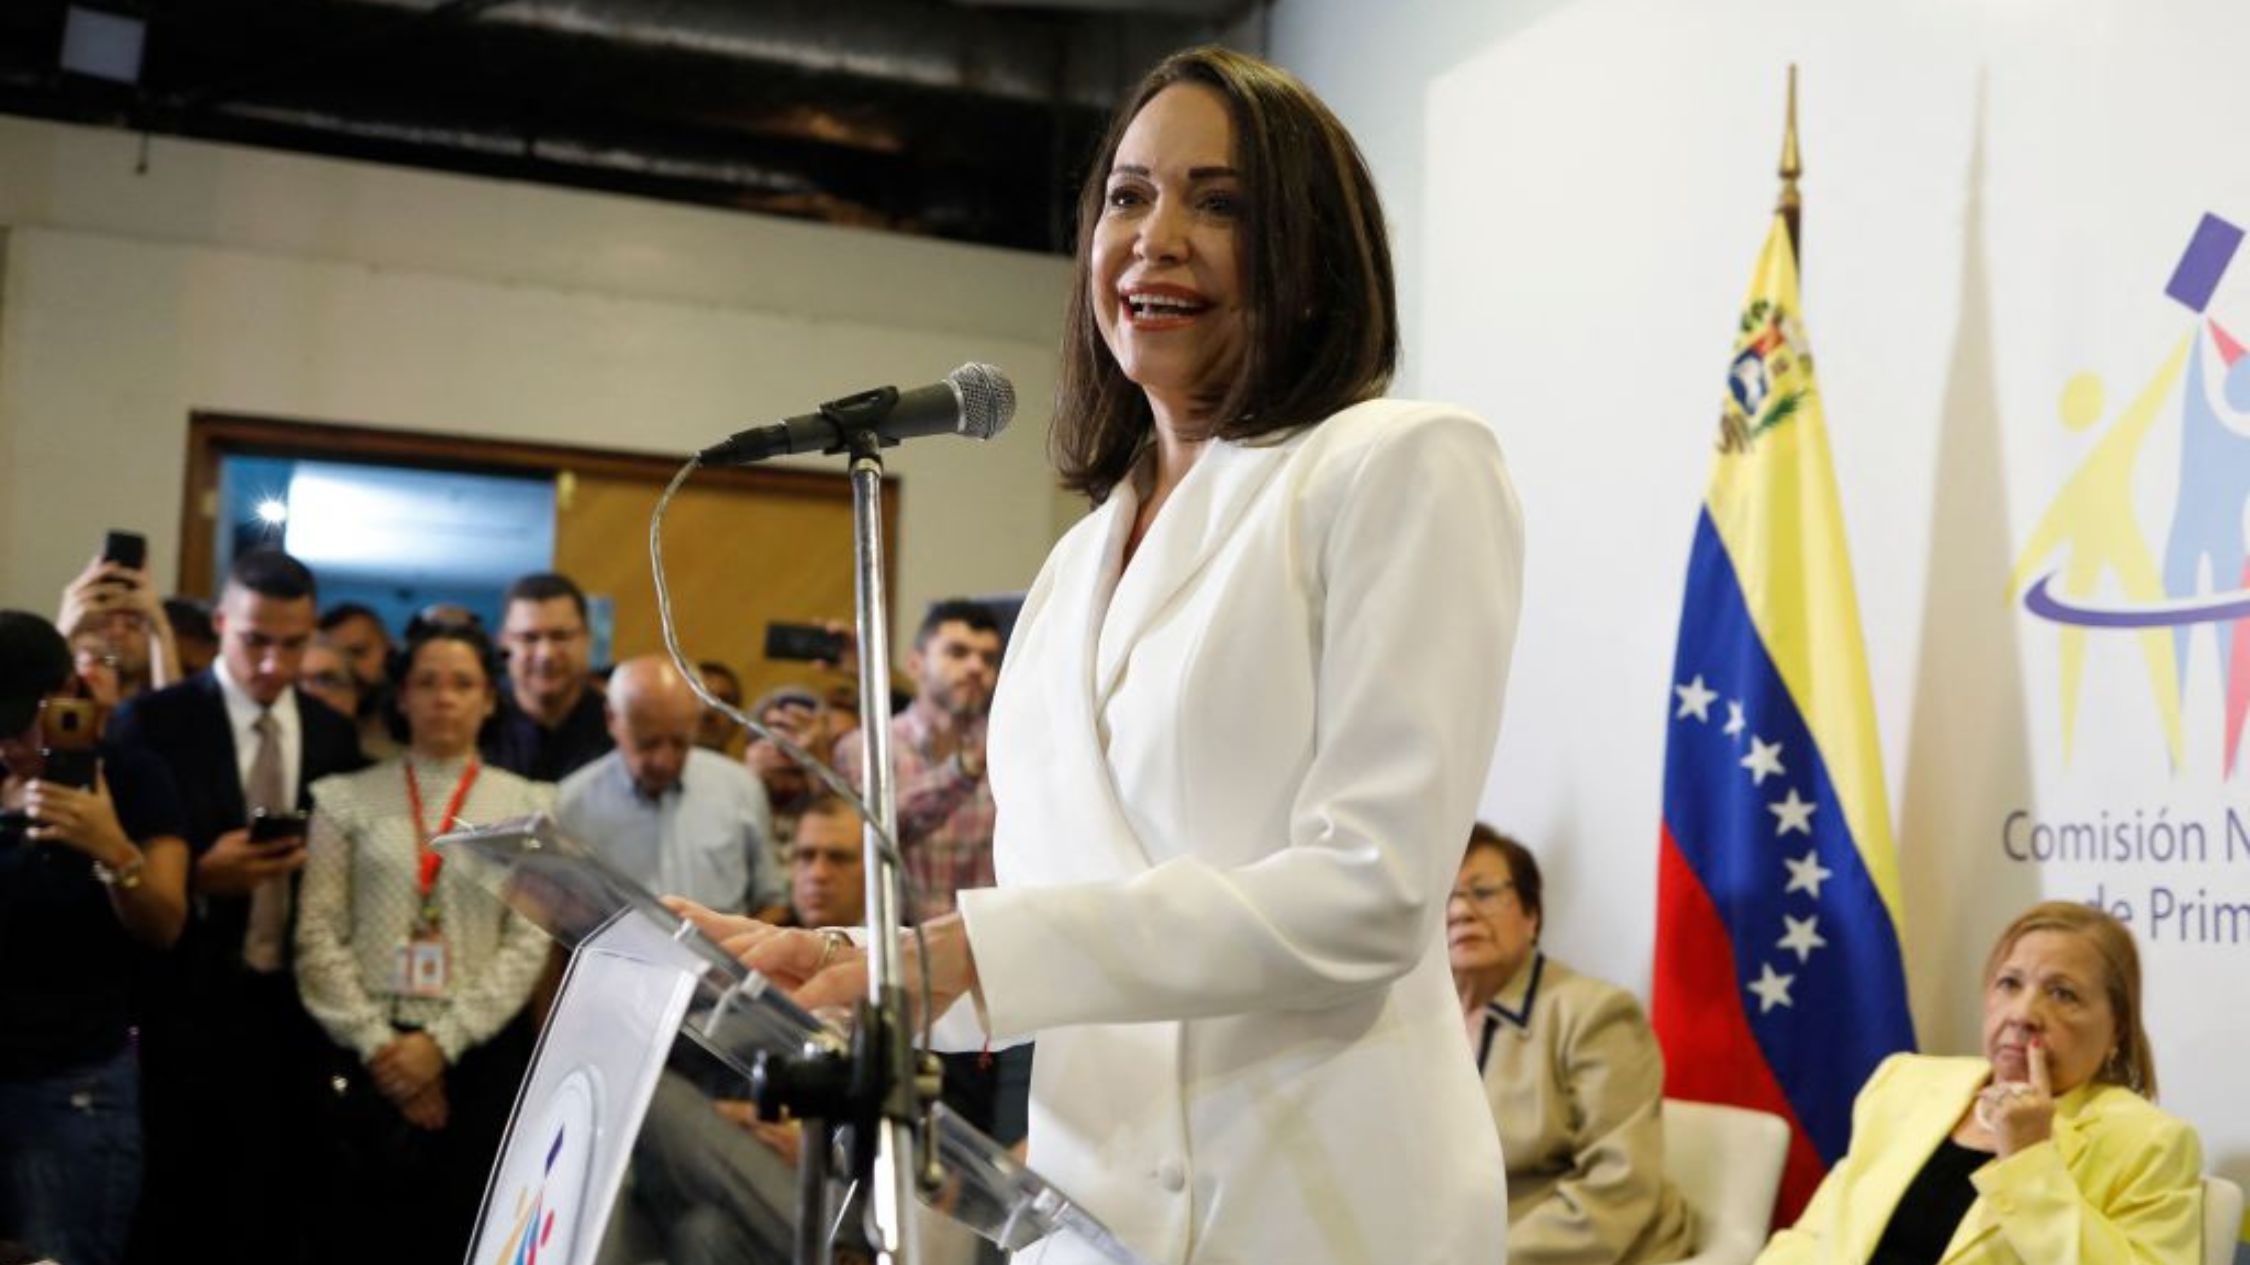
(820, 969)
(735, 933)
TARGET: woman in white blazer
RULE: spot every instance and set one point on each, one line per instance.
(1244, 722)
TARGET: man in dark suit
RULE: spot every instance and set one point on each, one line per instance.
(234, 1065)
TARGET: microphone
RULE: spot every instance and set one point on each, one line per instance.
(975, 400)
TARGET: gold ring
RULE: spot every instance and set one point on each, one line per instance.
(832, 941)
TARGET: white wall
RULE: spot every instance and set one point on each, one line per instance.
(240, 280)
(1996, 194)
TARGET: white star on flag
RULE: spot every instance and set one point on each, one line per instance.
(1763, 761)
(1803, 937)
(1735, 722)
(1795, 814)
(1695, 699)
(1806, 874)
(1771, 987)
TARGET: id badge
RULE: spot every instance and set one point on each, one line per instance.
(418, 967)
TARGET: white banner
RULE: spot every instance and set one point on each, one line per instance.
(2025, 287)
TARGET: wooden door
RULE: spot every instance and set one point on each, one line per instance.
(737, 558)
(744, 547)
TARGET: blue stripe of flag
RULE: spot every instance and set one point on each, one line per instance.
(1847, 1006)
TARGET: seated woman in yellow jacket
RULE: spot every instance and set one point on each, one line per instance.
(2046, 1151)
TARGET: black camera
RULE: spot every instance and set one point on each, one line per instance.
(803, 642)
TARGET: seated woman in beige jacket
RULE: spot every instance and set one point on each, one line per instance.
(1573, 1075)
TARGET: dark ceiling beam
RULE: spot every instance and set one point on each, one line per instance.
(919, 115)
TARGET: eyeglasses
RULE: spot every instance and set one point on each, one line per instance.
(1481, 893)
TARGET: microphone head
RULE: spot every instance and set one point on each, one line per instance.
(988, 399)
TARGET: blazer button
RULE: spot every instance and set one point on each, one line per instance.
(1172, 1176)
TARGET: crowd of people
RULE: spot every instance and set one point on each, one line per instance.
(246, 1000)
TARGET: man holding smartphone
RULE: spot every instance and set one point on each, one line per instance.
(114, 600)
(232, 1058)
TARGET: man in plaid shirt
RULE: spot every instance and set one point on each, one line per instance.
(945, 821)
(937, 745)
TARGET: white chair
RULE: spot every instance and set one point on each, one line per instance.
(1727, 1163)
(2222, 1220)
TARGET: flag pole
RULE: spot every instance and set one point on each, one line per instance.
(1791, 205)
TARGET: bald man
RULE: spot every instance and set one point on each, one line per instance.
(679, 820)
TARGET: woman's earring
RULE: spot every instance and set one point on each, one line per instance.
(2119, 1070)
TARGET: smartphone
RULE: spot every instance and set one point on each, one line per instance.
(803, 642)
(126, 548)
(69, 728)
(268, 827)
(14, 822)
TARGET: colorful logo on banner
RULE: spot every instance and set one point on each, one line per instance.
(2108, 579)
(544, 1218)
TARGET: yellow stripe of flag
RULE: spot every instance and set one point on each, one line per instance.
(1773, 500)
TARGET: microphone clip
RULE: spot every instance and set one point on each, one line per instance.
(863, 412)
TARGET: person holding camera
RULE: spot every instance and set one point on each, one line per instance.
(945, 811)
(92, 864)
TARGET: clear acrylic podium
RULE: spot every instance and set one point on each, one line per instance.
(616, 1092)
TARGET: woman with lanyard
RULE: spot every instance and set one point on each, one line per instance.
(412, 968)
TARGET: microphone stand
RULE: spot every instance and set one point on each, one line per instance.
(884, 1043)
(876, 1094)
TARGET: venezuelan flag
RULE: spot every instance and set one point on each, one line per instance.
(1778, 984)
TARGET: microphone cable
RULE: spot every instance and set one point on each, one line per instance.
(887, 846)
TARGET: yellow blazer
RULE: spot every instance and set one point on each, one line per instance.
(2119, 1183)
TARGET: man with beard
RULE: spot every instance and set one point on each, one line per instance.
(937, 743)
(357, 633)
(945, 817)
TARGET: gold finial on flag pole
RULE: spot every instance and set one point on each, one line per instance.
(1791, 205)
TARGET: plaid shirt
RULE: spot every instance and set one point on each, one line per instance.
(944, 816)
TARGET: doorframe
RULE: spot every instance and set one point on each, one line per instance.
(213, 436)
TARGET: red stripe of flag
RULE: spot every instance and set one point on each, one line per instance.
(1698, 962)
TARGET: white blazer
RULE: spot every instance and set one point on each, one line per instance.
(1233, 788)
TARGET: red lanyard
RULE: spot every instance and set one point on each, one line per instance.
(429, 861)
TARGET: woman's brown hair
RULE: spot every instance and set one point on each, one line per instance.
(2132, 1063)
(1317, 286)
